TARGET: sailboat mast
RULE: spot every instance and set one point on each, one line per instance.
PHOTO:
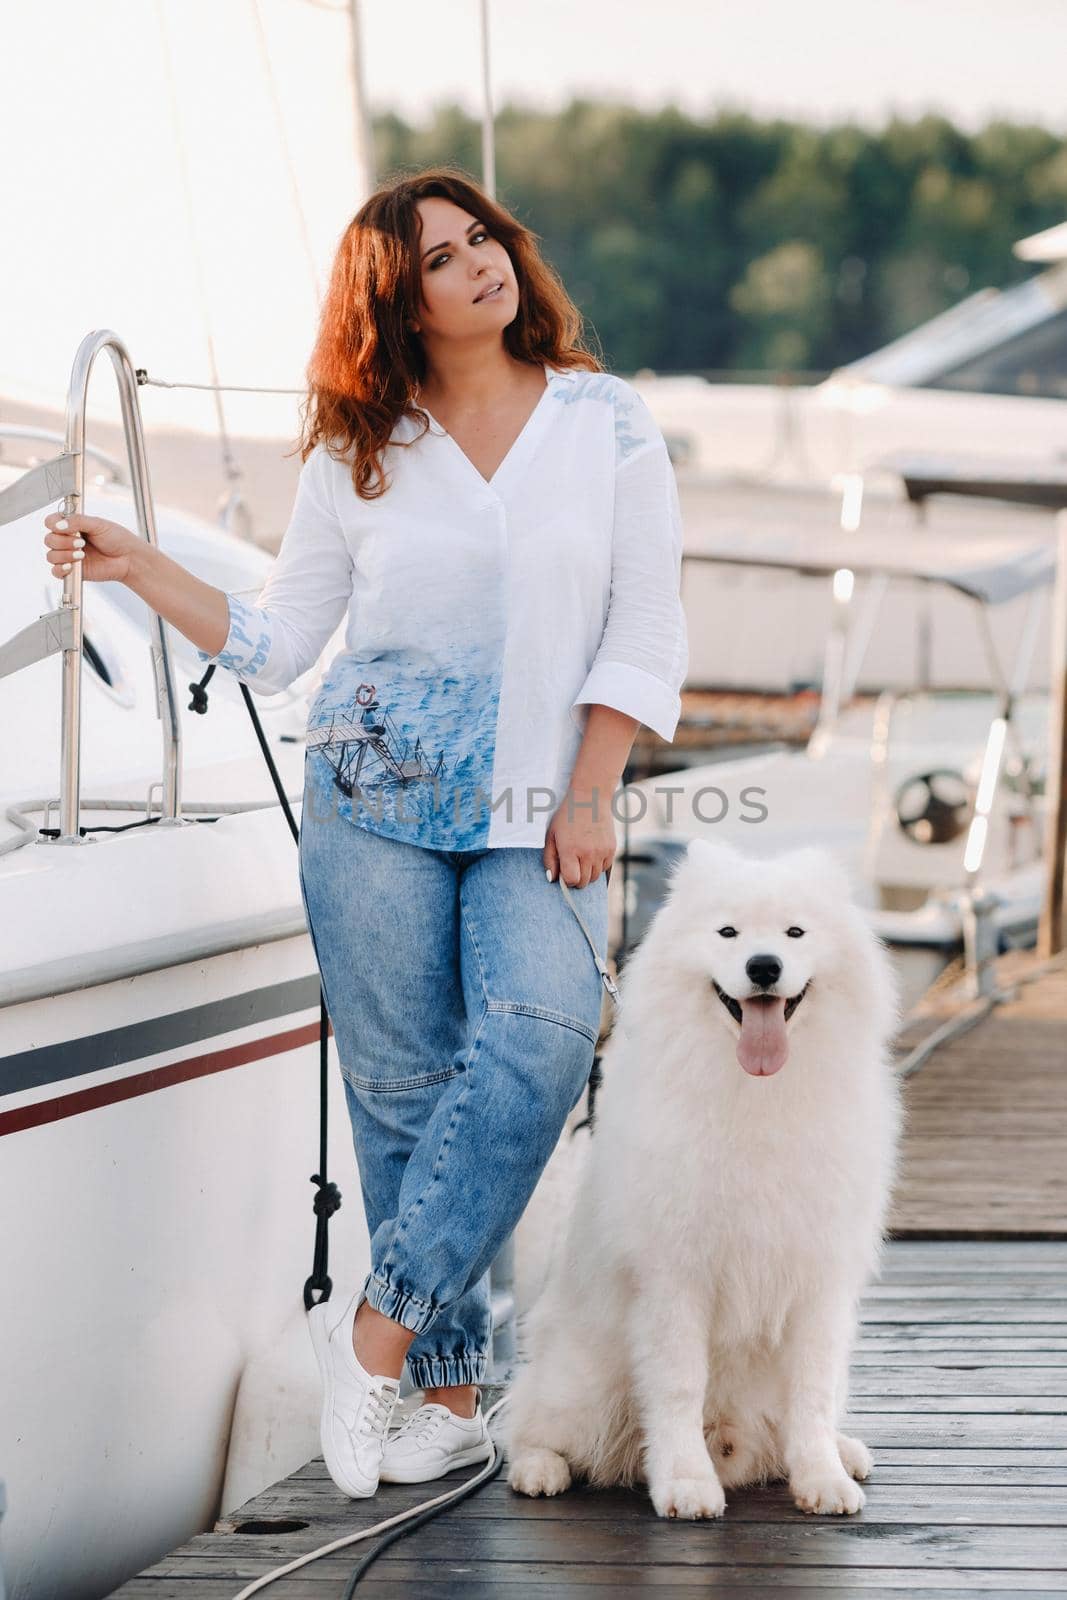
(364, 136)
(488, 144)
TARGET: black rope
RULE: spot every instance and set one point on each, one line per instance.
(327, 1195)
(122, 827)
(283, 798)
(596, 1077)
(118, 827)
(199, 691)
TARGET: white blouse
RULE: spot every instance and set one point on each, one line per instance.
(482, 616)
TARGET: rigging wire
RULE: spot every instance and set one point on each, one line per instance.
(287, 154)
(229, 461)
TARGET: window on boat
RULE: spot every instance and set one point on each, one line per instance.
(1032, 362)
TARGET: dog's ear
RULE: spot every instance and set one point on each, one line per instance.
(714, 850)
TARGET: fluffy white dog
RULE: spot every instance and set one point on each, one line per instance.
(694, 1332)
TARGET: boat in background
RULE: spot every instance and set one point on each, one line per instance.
(988, 375)
(935, 803)
(808, 462)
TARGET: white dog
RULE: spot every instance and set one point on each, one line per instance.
(695, 1329)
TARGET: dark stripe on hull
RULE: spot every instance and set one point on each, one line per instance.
(141, 1083)
(73, 1058)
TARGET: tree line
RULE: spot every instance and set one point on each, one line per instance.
(734, 243)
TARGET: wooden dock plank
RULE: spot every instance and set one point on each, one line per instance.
(986, 1115)
(968, 1494)
(554, 1581)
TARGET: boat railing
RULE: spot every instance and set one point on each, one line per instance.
(63, 478)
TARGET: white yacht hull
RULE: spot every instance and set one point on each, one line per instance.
(159, 1133)
(159, 1233)
(159, 1096)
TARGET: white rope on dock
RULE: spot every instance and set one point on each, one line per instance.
(380, 1527)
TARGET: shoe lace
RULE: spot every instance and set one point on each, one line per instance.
(421, 1424)
(377, 1410)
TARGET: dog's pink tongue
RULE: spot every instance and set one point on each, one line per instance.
(763, 1046)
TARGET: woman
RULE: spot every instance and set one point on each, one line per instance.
(497, 518)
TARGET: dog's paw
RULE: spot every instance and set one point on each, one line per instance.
(827, 1495)
(536, 1471)
(689, 1497)
(855, 1457)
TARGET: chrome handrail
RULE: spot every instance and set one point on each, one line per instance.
(61, 630)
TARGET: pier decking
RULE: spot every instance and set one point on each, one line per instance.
(958, 1385)
(985, 1145)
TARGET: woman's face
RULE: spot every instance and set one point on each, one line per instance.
(460, 260)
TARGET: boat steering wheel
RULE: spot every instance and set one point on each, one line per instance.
(933, 807)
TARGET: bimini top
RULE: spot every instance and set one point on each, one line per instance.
(990, 568)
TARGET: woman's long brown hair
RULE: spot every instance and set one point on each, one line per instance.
(367, 363)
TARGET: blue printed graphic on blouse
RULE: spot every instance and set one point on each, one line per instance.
(400, 742)
(370, 755)
(250, 641)
(606, 386)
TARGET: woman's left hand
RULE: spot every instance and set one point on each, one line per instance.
(580, 843)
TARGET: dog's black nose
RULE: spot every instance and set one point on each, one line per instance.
(764, 970)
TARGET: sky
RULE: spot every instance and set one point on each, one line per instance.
(184, 168)
(812, 59)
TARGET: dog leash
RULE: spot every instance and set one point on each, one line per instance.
(609, 981)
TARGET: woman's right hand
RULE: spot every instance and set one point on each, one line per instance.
(104, 548)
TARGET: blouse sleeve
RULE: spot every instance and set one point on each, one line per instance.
(641, 663)
(306, 594)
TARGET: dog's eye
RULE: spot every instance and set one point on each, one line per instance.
(728, 932)
(794, 933)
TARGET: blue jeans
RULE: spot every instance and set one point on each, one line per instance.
(465, 1004)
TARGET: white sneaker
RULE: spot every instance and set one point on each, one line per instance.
(433, 1441)
(356, 1405)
